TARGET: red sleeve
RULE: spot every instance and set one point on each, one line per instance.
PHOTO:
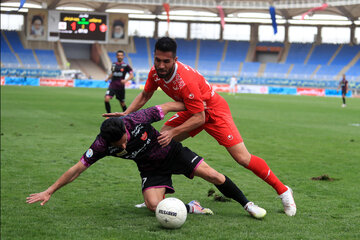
(191, 96)
(150, 85)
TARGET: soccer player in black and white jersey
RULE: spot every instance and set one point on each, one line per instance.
(132, 137)
(343, 84)
(119, 70)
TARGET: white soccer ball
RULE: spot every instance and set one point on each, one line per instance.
(171, 213)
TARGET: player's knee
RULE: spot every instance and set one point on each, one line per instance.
(151, 205)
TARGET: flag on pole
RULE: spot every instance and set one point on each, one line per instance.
(167, 10)
(222, 16)
(22, 2)
(273, 18)
(312, 10)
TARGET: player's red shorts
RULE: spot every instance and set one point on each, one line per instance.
(218, 122)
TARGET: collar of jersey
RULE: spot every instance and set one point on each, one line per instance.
(174, 73)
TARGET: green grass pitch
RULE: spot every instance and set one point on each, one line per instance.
(44, 131)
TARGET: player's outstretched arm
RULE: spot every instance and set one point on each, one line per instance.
(69, 176)
(172, 107)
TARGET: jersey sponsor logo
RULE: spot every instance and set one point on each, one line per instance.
(89, 153)
(124, 65)
(191, 96)
(230, 137)
(144, 136)
(137, 129)
(135, 153)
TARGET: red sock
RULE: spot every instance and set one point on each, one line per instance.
(261, 169)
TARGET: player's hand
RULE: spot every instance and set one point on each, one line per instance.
(42, 197)
(165, 138)
(114, 114)
(123, 81)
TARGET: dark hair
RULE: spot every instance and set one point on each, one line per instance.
(37, 17)
(112, 129)
(120, 51)
(166, 44)
(118, 23)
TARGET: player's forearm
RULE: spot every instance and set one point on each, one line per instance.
(172, 107)
(197, 120)
(138, 102)
(69, 176)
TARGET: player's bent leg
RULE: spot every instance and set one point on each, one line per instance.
(240, 154)
(209, 174)
(153, 196)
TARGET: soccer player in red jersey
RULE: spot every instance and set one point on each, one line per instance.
(205, 109)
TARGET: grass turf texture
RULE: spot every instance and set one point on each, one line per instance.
(44, 131)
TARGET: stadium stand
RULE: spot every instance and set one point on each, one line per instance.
(298, 53)
(328, 71)
(140, 59)
(187, 51)
(47, 58)
(302, 70)
(26, 55)
(235, 54)
(250, 69)
(210, 55)
(346, 54)
(276, 69)
(322, 54)
(8, 59)
(354, 71)
(270, 44)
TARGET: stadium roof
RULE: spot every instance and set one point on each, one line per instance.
(285, 8)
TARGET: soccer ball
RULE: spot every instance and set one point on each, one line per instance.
(171, 213)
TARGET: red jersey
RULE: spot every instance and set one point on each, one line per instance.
(185, 85)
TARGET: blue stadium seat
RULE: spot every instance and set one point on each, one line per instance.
(26, 55)
(211, 52)
(354, 71)
(250, 69)
(8, 59)
(235, 54)
(47, 58)
(186, 51)
(298, 53)
(322, 54)
(346, 54)
(276, 69)
(328, 72)
(140, 58)
(302, 70)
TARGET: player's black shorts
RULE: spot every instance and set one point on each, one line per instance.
(184, 162)
(343, 91)
(120, 93)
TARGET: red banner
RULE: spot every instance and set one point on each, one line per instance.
(311, 91)
(56, 82)
(2, 80)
